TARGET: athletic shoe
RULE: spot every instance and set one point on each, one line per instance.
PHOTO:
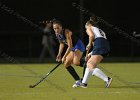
(77, 84)
(83, 85)
(107, 83)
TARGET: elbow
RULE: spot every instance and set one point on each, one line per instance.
(91, 36)
(70, 46)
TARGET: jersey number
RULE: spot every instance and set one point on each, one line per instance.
(101, 32)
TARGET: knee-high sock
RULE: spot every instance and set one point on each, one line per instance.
(73, 73)
(88, 73)
(97, 72)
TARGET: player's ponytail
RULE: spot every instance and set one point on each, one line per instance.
(93, 21)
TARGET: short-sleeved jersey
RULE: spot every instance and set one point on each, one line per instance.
(98, 33)
(62, 38)
(76, 41)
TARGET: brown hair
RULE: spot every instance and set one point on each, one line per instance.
(57, 22)
(93, 21)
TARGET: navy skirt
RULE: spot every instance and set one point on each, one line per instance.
(101, 47)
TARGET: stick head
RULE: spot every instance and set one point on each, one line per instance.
(31, 86)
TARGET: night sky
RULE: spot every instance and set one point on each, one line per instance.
(121, 13)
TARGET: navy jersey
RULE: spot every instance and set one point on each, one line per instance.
(62, 38)
(76, 41)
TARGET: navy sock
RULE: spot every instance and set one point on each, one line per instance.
(73, 73)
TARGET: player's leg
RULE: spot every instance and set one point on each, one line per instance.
(79, 60)
(77, 56)
(69, 68)
(91, 64)
(76, 61)
(79, 48)
(100, 74)
(91, 70)
(96, 72)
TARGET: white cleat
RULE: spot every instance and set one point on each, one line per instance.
(77, 84)
(83, 85)
(107, 83)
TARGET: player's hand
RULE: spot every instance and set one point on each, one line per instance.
(86, 58)
(88, 47)
(58, 58)
(63, 59)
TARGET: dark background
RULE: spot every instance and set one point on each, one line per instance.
(19, 39)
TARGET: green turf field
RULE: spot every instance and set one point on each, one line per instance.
(15, 79)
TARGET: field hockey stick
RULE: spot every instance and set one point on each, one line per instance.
(86, 55)
(44, 77)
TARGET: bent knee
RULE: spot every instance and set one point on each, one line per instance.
(91, 64)
(77, 63)
(67, 64)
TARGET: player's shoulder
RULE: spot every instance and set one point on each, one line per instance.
(68, 32)
(89, 29)
(95, 28)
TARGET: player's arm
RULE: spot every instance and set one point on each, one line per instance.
(61, 48)
(69, 42)
(91, 38)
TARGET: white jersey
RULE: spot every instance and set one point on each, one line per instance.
(98, 32)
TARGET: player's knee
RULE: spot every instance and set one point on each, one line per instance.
(77, 63)
(67, 64)
(91, 65)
